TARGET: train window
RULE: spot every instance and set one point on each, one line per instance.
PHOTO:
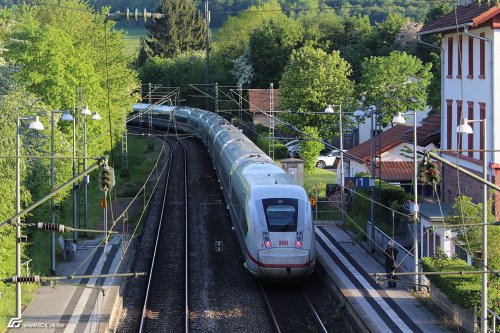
(181, 119)
(281, 214)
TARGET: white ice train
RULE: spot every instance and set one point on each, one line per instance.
(271, 214)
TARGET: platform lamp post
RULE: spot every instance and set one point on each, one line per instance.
(66, 116)
(359, 113)
(399, 119)
(86, 112)
(37, 126)
(329, 109)
(465, 128)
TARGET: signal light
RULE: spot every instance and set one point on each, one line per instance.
(267, 243)
(298, 244)
(107, 178)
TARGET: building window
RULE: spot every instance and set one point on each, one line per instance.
(470, 137)
(450, 57)
(482, 54)
(449, 120)
(482, 115)
(459, 118)
(471, 58)
(459, 58)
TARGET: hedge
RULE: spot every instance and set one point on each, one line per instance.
(463, 290)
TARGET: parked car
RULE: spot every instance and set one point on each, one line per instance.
(327, 158)
(294, 150)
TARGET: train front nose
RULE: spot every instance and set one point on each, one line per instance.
(285, 263)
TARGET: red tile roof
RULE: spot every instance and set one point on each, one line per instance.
(396, 171)
(388, 140)
(474, 14)
(427, 133)
(259, 99)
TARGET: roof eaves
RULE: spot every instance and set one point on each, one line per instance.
(490, 13)
(442, 29)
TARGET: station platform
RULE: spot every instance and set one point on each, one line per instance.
(82, 305)
(373, 307)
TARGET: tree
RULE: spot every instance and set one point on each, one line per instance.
(384, 35)
(270, 47)
(310, 81)
(178, 72)
(65, 46)
(232, 39)
(355, 46)
(310, 150)
(323, 30)
(465, 212)
(182, 29)
(395, 83)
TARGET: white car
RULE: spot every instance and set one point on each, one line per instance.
(327, 158)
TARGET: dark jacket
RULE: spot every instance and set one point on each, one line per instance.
(390, 254)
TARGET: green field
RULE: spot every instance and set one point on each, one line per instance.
(134, 33)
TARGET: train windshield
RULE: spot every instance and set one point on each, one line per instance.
(281, 214)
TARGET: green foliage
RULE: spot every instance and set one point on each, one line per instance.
(311, 80)
(390, 196)
(280, 151)
(233, 37)
(465, 212)
(182, 29)
(270, 47)
(396, 83)
(464, 290)
(310, 150)
(176, 72)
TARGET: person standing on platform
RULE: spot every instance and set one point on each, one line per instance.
(390, 254)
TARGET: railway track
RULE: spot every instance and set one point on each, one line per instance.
(291, 309)
(166, 301)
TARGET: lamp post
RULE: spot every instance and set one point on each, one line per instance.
(65, 117)
(465, 128)
(86, 112)
(399, 119)
(329, 109)
(38, 126)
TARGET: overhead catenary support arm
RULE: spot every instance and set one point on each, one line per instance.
(52, 194)
(467, 172)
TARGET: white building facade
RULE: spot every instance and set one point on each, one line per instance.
(470, 54)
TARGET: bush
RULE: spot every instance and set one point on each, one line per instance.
(463, 290)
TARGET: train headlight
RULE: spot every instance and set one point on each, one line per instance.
(298, 240)
(267, 240)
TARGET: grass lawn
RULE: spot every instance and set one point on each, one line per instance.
(318, 180)
(134, 34)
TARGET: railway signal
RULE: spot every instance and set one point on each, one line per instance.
(107, 178)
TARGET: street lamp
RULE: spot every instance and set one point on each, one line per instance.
(65, 117)
(86, 112)
(399, 119)
(465, 128)
(37, 126)
(329, 109)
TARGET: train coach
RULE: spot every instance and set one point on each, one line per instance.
(271, 214)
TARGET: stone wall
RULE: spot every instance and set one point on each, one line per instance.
(463, 317)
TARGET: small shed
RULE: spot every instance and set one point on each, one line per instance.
(294, 167)
(434, 233)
